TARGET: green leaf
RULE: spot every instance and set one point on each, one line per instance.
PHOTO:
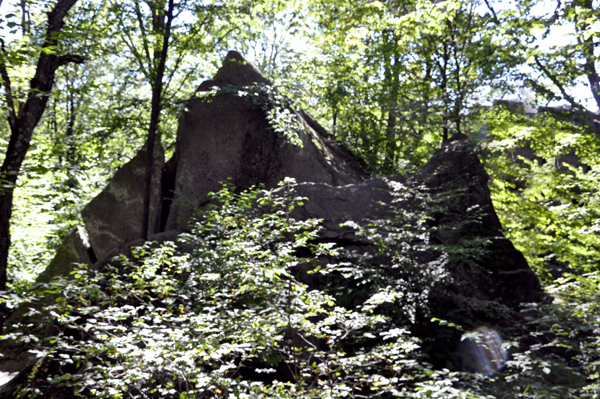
(49, 50)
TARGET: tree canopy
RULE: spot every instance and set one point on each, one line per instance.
(85, 84)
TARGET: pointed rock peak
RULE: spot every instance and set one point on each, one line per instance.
(236, 71)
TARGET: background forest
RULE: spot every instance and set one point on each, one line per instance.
(389, 79)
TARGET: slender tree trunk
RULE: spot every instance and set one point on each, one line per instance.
(23, 123)
(25, 17)
(588, 49)
(70, 131)
(335, 117)
(444, 87)
(458, 98)
(165, 29)
(392, 119)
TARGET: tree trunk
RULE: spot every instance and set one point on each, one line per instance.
(165, 29)
(392, 109)
(444, 87)
(23, 124)
(588, 49)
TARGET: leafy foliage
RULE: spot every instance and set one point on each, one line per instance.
(239, 314)
(232, 310)
(545, 189)
(230, 317)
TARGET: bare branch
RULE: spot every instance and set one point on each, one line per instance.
(12, 116)
(144, 35)
(130, 45)
(580, 114)
(587, 48)
(70, 59)
(191, 35)
(557, 83)
(496, 20)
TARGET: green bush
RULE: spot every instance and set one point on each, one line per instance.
(230, 317)
(230, 311)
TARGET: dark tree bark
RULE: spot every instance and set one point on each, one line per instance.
(393, 76)
(24, 122)
(444, 86)
(164, 27)
(588, 48)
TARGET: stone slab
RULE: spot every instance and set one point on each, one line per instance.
(75, 248)
(115, 216)
(229, 138)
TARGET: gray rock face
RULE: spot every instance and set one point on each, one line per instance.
(464, 218)
(484, 267)
(483, 277)
(75, 248)
(369, 200)
(229, 136)
(114, 217)
(461, 217)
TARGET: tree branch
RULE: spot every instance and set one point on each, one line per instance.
(191, 35)
(580, 114)
(130, 43)
(136, 55)
(557, 83)
(587, 48)
(496, 20)
(12, 116)
(70, 59)
(140, 19)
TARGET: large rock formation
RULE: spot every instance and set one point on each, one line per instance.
(487, 265)
(486, 278)
(228, 132)
(228, 135)
(223, 135)
(115, 216)
(235, 71)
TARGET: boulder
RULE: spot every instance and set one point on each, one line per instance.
(12, 373)
(452, 191)
(229, 136)
(470, 273)
(484, 263)
(369, 200)
(115, 216)
(75, 248)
